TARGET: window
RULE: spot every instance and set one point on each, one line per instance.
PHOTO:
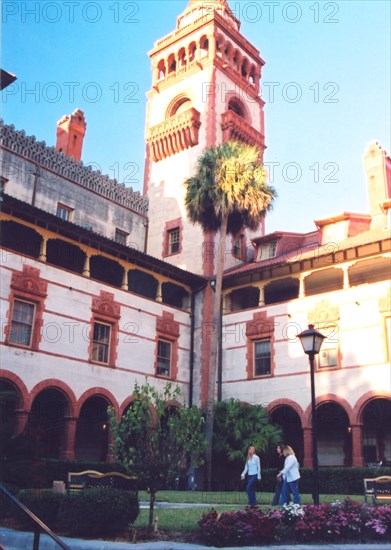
(262, 359)
(173, 241)
(163, 358)
(272, 249)
(101, 343)
(21, 330)
(328, 358)
(237, 247)
(64, 212)
(121, 236)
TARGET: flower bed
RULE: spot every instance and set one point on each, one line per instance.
(339, 521)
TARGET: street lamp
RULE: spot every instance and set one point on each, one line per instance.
(311, 340)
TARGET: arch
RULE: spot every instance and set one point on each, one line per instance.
(238, 106)
(64, 254)
(97, 392)
(220, 45)
(174, 295)
(334, 438)
(55, 384)
(106, 270)
(10, 403)
(92, 433)
(20, 238)
(236, 59)
(369, 271)
(281, 290)
(182, 58)
(204, 46)
(46, 424)
(285, 402)
(324, 280)
(244, 68)
(288, 417)
(161, 69)
(363, 401)
(330, 397)
(228, 51)
(142, 283)
(376, 430)
(180, 103)
(171, 64)
(192, 51)
(19, 385)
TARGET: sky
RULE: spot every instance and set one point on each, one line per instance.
(326, 84)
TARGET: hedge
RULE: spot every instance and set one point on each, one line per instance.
(90, 513)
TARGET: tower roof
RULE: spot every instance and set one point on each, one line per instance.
(197, 8)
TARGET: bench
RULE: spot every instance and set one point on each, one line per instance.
(377, 488)
(88, 479)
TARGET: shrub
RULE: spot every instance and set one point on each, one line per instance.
(340, 521)
(242, 527)
(97, 512)
(44, 503)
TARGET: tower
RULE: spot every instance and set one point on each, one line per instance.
(70, 134)
(205, 90)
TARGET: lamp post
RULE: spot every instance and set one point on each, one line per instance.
(311, 340)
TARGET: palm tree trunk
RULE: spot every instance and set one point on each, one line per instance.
(215, 335)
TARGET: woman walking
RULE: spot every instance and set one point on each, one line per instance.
(253, 470)
(280, 481)
(290, 474)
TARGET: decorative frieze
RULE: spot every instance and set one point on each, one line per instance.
(47, 157)
(175, 134)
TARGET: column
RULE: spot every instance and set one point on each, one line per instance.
(301, 286)
(159, 297)
(124, 284)
(42, 249)
(70, 438)
(86, 268)
(307, 440)
(345, 277)
(261, 301)
(357, 446)
(21, 418)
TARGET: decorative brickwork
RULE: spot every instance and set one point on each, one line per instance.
(235, 127)
(175, 134)
(63, 166)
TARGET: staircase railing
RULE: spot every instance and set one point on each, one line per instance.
(39, 526)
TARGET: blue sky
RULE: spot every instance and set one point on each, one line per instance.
(326, 85)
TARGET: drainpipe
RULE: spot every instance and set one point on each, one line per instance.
(192, 325)
(220, 357)
(36, 176)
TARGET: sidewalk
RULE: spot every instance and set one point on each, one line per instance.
(19, 540)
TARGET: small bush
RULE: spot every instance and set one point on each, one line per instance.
(249, 526)
(346, 521)
(97, 512)
(44, 503)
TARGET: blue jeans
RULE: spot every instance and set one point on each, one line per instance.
(293, 487)
(276, 498)
(250, 489)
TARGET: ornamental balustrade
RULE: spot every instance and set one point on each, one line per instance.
(236, 128)
(174, 134)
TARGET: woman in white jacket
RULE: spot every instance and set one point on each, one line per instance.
(290, 474)
(253, 471)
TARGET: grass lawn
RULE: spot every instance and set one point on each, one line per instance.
(185, 519)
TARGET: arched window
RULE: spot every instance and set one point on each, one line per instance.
(178, 106)
(236, 106)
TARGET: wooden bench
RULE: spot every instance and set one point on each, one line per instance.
(377, 488)
(88, 479)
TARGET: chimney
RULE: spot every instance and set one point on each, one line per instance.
(70, 134)
(377, 165)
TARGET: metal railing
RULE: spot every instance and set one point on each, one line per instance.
(39, 526)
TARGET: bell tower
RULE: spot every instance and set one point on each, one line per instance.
(205, 90)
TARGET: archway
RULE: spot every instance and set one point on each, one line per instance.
(377, 431)
(46, 424)
(92, 430)
(334, 437)
(10, 402)
(292, 433)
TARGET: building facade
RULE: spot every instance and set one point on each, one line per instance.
(103, 286)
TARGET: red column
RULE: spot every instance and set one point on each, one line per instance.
(307, 440)
(357, 446)
(70, 438)
(21, 417)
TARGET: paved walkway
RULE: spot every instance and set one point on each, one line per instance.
(19, 540)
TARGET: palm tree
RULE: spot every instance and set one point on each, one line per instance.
(227, 192)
